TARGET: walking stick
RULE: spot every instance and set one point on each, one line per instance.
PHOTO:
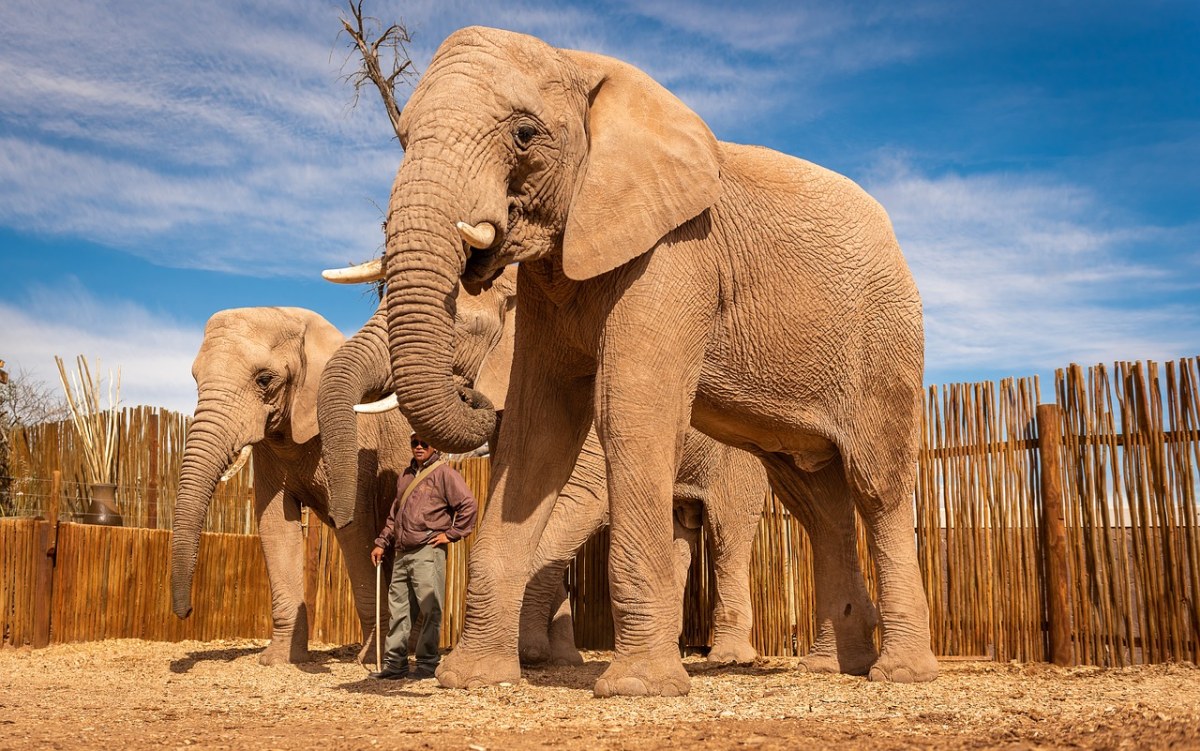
(378, 643)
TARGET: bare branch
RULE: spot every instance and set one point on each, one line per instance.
(391, 41)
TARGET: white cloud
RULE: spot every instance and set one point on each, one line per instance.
(154, 355)
(1020, 274)
(196, 136)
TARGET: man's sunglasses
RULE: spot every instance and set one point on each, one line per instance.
(422, 444)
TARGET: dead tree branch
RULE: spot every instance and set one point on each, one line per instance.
(392, 43)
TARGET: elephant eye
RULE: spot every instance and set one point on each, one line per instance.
(524, 135)
(264, 379)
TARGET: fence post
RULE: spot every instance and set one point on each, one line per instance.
(312, 560)
(152, 486)
(1054, 552)
(45, 550)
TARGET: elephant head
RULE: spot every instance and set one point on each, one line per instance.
(568, 158)
(257, 375)
(359, 371)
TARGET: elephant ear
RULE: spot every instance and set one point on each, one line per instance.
(320, 340)
(497, 366)
(652, 165)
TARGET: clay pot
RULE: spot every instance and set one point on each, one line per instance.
(103, 507)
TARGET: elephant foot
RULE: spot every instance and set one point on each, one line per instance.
(549, 651)
(279, 652)
(462, 669)
(819, 662)
(366, 654)
(910, 666)
(849, 659)
(534, 649)
(644, 674)
(732, 651)
(565, 654)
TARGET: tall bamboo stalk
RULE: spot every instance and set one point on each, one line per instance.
(97, 428)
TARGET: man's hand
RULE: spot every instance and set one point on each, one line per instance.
(377, 555)
(439, 539)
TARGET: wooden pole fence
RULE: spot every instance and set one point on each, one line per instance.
(1066, 531)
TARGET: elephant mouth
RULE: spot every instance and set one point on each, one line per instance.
(483, 267)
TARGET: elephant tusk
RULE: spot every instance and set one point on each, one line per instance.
(238, 463)
(371, 271)
(480, 236)
(385, 404)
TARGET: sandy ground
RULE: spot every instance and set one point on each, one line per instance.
(135, 694)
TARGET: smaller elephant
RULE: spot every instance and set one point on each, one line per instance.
(723, 486)
(257, 375)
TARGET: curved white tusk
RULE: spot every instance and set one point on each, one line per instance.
(238, 463)
(371, 271)
(480, 236)
(385, 404)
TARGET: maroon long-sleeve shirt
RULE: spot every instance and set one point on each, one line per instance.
(441, 503)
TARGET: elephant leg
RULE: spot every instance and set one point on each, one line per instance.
(547, 629)
(545, 421)
(562, 630)
(686, 539)
(283, 551)
(731, 518)
(645, 385)
(884, 499)
(845, 616)
(356, 540)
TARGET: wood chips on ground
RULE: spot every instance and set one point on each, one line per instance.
(137, 694)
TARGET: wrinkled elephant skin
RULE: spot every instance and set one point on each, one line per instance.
(718, 487)
(666, 280)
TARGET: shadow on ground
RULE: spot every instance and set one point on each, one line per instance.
(318, 659)
(185, 664)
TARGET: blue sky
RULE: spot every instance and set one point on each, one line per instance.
(1040, 161)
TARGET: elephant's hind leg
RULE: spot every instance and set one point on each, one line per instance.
(885, 502)
(845, 617)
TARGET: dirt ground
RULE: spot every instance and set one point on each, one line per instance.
(135, 694)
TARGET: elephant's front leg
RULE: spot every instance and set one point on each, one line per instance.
(356, 540)
(545, 421)
(645, 385)
(283, 551)
(547, 630)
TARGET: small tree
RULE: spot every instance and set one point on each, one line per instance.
(24, 401)
(369, 38)
(369, 41)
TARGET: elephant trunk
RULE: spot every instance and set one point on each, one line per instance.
(357, 371)
(424, 262)
(209, 448)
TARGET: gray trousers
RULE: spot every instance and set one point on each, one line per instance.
(418, 589)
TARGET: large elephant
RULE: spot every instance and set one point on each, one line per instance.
(257, 376)
(666, 279)
(718, 487)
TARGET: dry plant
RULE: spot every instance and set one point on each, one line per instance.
(370, 39)
(391, 40)
(96, 427)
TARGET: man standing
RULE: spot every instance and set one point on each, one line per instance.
(433, 508)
